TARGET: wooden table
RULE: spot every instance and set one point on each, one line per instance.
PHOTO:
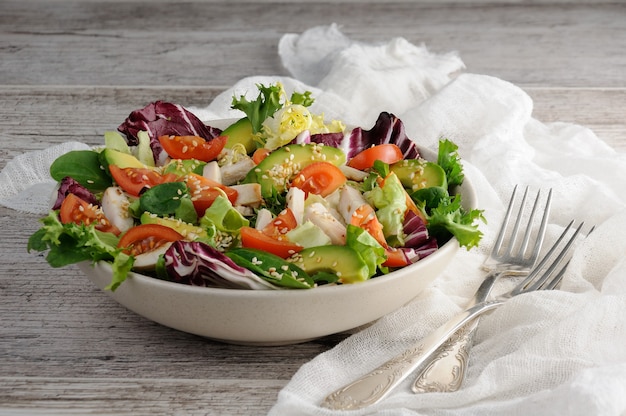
(69, 70)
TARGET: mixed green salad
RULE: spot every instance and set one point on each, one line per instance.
(281, 198)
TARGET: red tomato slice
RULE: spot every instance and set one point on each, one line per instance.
(204, 191)
(321, 178)
(365, 217)
(260, 154)
(135, 180)
(281, 225)
(395, 258)
(193, 147)
(253, 238)
(147, 237)
(388, 153)
(78, 211)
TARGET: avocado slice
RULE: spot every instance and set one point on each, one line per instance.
(182, 167)
(342, 261)
(418, 174)
(275, 171)
(240, 132)
(114, 140)
(121, 159)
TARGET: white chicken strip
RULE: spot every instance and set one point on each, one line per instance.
(115, 208)
(349, 201)
(148, 260)
(235, 172)
(319, 215)
(295, 202)
(248, 194)
(263, 218)
(212, 171)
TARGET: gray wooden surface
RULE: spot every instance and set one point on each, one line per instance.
(69, 70)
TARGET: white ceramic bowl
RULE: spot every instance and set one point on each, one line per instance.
(276, 317)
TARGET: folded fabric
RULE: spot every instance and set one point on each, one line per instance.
(546, 353)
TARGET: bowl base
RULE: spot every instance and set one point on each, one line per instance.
(261, 343)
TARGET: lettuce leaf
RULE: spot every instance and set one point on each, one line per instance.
(449, 217)
(72, 243)
(368, 248)
(223, 216)
(266, 104)
(390, 203)
(448, 158)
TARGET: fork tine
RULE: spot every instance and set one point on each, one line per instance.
(557, 279)
(542, 229)
(532, 281)
(521, 250)
(498, 244)
(518, 221)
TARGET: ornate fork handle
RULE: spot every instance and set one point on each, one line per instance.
(374, 386)
(446, 369)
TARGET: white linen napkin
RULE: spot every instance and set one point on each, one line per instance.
(557, 352)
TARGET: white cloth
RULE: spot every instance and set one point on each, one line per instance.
(547, 353)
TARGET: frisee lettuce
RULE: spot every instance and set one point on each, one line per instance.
(450, 216)
(266, 104)
(72, 243)
(448, 158)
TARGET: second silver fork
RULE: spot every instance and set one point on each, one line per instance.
(447, 368)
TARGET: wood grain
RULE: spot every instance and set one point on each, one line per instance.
(131, 43)
(71, 70)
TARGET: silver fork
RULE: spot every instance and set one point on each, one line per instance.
(446, 370)
(376, 385)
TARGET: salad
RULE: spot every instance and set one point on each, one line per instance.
(278, 199)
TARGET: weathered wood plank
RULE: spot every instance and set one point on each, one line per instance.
(136, 396)
(130, 43)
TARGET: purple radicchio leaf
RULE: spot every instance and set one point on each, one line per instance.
(415, 230)
(70, 186)
(302, 138)
(418, 253)
(388, 129)
(328, 139)
(198, 264)
(417, 244)
(163, 119)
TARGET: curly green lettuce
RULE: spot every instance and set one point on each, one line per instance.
(72, 243)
